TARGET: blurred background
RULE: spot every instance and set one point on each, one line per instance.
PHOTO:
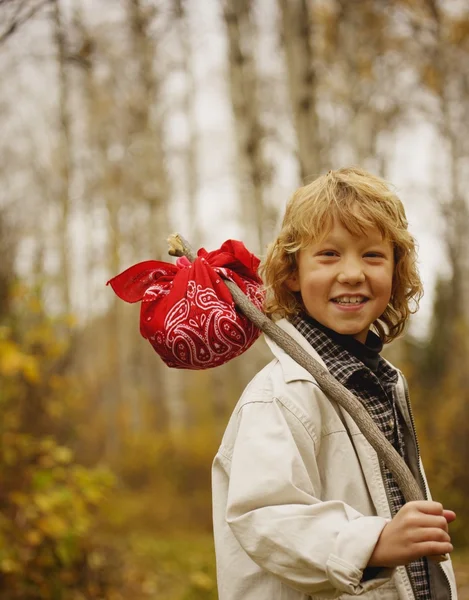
(125, 120)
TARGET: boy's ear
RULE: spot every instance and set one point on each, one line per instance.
(293, 282)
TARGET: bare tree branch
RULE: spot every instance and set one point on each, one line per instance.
(19, 17)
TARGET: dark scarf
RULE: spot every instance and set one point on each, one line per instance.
(367, 353)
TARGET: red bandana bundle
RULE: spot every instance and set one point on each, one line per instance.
(187, 312)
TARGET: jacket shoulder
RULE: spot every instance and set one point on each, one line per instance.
(270, 384)
(267, 396)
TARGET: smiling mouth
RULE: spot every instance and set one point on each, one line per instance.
(350, 300)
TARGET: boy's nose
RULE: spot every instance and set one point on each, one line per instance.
(351, 273)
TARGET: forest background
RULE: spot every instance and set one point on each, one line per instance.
(123, 121)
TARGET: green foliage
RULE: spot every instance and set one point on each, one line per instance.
(47, 512)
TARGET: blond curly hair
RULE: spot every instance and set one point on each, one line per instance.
(358, 200)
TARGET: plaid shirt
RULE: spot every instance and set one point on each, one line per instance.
(376, 391)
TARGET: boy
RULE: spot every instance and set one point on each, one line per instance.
(302, 507)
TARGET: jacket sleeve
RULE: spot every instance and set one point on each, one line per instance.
(319, 548)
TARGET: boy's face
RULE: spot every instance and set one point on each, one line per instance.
(345, 281)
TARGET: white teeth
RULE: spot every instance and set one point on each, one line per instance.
(350, 299)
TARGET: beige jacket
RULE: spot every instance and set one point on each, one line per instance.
(298, 498)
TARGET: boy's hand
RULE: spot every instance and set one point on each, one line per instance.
(418, 529)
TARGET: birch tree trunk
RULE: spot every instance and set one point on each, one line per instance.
(243, 78)
(63, 157)
(190, 153)
(296, 34)
(147, 118)
(91, 163)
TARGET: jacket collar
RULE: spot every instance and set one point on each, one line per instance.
(292, 371)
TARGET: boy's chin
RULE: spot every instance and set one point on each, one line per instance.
(348, 330)
(356, 331)
(353, 332)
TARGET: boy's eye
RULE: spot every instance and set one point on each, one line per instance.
(374, 255)
(328, 253)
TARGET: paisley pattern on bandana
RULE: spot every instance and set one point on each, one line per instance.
(187, 312)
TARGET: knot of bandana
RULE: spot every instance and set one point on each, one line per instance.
(187, 312)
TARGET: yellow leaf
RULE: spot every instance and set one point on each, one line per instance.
(63, 454)
(31, 370)
(11, 359)
(43, 501)
(8, 565)
(53, 526)
(34, 537)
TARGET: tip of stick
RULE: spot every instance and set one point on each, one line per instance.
(175, 246)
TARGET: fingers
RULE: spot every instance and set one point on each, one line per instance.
(429, 507)
(432, 521)
(449, 515)
(433, 534)
(433, 548)
(424, 514)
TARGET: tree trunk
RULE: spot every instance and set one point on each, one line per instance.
(93, 163)
(296, 35)
(63, 157)
(190, 153)
(252, 171)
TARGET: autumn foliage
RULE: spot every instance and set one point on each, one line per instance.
(48, 501)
